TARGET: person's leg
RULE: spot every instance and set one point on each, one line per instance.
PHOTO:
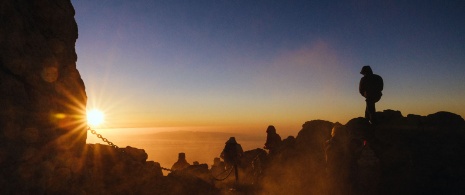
(371, 110)
(367, 113)
(236, 173)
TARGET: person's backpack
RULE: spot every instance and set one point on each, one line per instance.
(230, 153)
(378, 82)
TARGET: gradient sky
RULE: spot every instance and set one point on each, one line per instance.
(243, 65)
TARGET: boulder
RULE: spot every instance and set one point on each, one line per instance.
(138, 155)
(313, 134)
(445, 119)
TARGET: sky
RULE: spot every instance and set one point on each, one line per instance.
(243, 65)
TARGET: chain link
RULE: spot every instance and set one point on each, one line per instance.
(222, 179)
(163, 168)
(113, 145)
(101, 137)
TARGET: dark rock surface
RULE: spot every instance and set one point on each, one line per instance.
(42, 95)
(403, 155)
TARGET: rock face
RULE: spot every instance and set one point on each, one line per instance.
(299, 165)
(42, 94)
(403, 155)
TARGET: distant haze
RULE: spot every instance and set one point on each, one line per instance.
(164, 146)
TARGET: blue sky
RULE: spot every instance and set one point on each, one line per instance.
(243, 65)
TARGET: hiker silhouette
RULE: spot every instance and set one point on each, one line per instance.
(181, 163)
(370, 87)
(273, 140)
(231, 154)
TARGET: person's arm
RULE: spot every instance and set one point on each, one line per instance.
(267, 143)
(240, 150)
(361, 87)
(382, 82)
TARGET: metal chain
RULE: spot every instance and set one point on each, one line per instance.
(222, 179)
(113, 145)
(163, 168)
(101, 137)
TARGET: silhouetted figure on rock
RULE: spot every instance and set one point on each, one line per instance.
(339, 161)
(181, 163)
(370, 87)
(273, 140)
(231, 154)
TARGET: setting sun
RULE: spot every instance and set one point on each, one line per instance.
(95, 117)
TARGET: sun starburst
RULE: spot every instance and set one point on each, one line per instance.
(95, 117)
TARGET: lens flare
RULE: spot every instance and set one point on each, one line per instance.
(95, 117)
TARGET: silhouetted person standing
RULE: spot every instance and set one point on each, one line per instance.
(231, 154)
(181, 163)
(273, 140)
(370, 87)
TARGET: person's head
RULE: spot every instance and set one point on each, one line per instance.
(182, 156)
(271, 129)
(232, 140)
(366, 70)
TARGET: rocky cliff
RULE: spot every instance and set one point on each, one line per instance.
(42, 94)
(401, 155)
